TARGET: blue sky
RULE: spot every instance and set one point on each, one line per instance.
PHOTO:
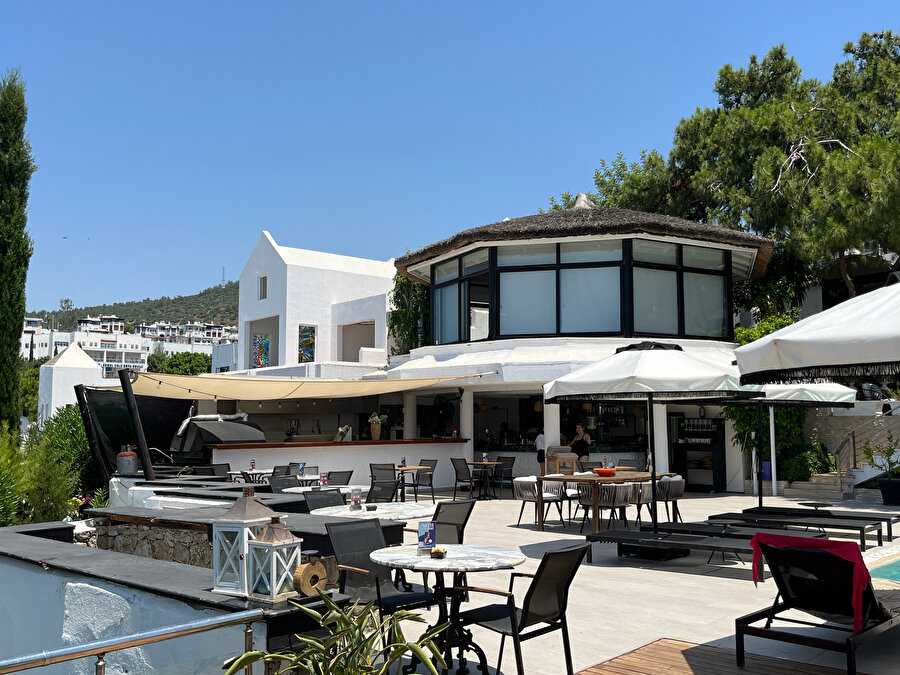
(170, 134)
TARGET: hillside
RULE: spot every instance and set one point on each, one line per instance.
(218, 304)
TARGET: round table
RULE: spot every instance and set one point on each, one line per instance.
(461, 558)
(384, 511)
(345, 489)
(817, 505)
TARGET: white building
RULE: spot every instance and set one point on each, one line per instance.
(103, 323)
(58, 377)
(298, 306)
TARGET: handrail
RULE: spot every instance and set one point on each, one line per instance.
(100, 648)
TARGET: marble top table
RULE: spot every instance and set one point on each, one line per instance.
(460, 558)
(345, 489)
(385, 511)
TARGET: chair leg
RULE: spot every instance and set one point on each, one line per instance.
(517, 647)
(521, 511)
(559, 508)
(454, 490)
(432, 492)
(567, 650)
(500, 658)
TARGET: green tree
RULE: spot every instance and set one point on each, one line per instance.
(187, 363)
(65, 437)
(16, 168)
(129, 328)
(409, 314)
(29, 380)
(12, 487)
(68, 317)
(156, 360)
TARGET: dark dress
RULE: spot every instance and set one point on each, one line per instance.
(580, 447)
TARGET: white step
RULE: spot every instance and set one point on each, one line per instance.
(867, 472)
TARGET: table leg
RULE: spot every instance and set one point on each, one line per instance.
(402, 496)
(595, 506)
(540, 504)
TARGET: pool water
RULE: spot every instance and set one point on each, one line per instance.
(890, 570)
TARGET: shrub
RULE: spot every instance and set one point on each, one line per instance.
(11, 477)
(799, 461)
(49, 480)
(64, 432)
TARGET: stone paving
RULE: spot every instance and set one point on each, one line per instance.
(619, 604)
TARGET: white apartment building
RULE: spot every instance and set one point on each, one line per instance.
(102, 324)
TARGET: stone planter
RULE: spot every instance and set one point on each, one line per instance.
(376, 431)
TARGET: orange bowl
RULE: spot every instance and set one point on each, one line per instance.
(605, 472)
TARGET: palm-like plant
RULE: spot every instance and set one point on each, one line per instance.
(358, 641)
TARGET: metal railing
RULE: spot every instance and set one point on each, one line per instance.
(101, 648)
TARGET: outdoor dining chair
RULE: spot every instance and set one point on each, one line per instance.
(310, 470)
(278, 483)
(643, 496)
(503, 472)
(363, 579)
(296, 468)
(588, 466)
(543, 609)
(616, 497)
(339, 477)
(319, 499)
(525, 489)
(671, 490)
(424, 478)
(281, 470)
(384, 483)
(463, 474)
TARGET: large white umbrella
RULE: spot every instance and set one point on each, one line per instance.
(646, 371)
(857, 338)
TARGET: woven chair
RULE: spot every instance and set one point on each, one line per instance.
(463, 474)
(321, 498)
(279, 483)
(339, 477)
(525, 489)
(424, 478)
(615, 496)
(643, 497)
(543, 609)
(667, 491)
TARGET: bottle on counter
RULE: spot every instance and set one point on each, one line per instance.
(483, 456)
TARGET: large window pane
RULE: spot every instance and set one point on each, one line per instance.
(655, 252)
(590, 251)
(704, 305)
(478, 298)
(527, 303)
(446, 271)
(655, 301)
(533, 254)
(446, 314)
(707, 258)
(475, 262)
(589, 300)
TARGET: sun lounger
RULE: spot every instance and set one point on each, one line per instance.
(870, 516)
(825, 579)
(727, 531)
(787, 521)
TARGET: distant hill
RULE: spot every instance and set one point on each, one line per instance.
(218, 304)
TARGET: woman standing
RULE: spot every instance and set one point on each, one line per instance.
(580, 444)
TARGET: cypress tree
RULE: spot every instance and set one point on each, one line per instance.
(16, 167)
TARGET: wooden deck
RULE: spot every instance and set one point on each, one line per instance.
(674, 657)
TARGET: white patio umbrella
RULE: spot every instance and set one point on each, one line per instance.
(644, 372)
(857, 338)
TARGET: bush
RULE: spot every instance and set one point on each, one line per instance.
(799, 461)
(64, 432)
(49, 480)
(11, 477)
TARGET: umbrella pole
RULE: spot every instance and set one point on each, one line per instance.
(759, 436)
(652, 456)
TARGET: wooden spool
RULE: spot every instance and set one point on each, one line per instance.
(309, 578)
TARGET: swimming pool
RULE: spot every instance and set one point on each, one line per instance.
(889, 570)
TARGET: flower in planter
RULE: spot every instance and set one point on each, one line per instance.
(375, 417)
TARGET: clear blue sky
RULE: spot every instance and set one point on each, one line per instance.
(170, 134)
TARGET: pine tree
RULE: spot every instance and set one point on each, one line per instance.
(16, 167)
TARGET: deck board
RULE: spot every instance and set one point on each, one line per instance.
(674, 657)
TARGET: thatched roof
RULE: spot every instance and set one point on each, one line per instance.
(586, 218)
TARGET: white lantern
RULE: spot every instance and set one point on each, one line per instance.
(231, 535)
(272, 560)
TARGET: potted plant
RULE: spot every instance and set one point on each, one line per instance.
(376, 421)
(358, 641)
(884, 457)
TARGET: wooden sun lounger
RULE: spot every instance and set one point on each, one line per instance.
(729, 531)
(869, 516)
(788, 521)
(668, 540)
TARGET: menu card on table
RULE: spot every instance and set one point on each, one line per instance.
(426, 536)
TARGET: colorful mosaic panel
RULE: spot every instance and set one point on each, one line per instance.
(260, 353)
(307, 350)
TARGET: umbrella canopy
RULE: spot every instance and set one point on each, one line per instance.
(857, 338)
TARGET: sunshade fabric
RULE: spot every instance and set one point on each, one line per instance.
(826, 393)
(632, 374)
(251, 388)
(857, 338)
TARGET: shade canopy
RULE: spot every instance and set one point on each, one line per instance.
(251, 388)
(857, 338)
(821, 394)
(664, 370)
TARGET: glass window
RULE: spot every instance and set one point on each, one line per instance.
(263, 287)
(655, 301)
(589, 300)
(707, 258)
(446, 314)
(533, 254)
(704, 305)
(528, 303)
(306, 350)
(655, 252)
(475, 262)
(446, 271)
(478, 297)
(591, 251)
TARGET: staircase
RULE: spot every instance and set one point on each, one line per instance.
(822, 487)
(865, 471)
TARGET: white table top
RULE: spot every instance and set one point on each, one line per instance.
(460, 558)
(345, 489)
(385, 511)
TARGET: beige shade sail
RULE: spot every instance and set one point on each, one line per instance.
(251, 388)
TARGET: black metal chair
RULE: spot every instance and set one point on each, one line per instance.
(424, 478)
(543, 609)
(503, 472)
(463, 474)
(281, 470)
(384, 483)
(310, 470)
(819, 582)
(339, 477)
(363, 579)
(246, 477)
(322, 498)
(294, 468)
(279, 483)
(450, 521)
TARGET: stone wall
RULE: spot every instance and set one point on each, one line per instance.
(833, 429)
(187, 546)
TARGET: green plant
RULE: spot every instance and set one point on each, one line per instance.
(380, 419)
(49, 481)
(409, 314)
(11, 477)
(100, 499)
(882, 457)
(64, 433)
(799, 461)
(354, 644)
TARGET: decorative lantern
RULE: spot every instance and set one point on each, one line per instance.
(231, 535)
(272, 559)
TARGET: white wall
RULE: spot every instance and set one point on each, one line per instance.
(263, 260)
(49, 608)
(56, 387)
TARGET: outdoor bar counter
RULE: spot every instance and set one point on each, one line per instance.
(344, 455)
